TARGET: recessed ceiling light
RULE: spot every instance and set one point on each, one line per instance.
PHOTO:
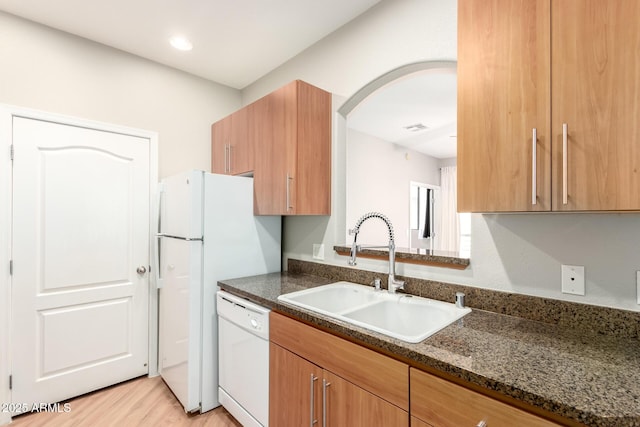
(180, 43)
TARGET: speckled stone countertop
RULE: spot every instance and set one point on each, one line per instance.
(586, 377)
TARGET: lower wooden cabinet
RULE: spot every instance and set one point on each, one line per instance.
(294, 393)
(319, 379)
(302, 393)
(346, 404)
(316, 376)
(441, 403)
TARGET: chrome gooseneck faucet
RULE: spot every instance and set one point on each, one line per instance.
(393, 284)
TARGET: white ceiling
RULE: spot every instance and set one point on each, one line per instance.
(427, 98)
(235, 42)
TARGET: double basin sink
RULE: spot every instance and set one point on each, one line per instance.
(405, 317)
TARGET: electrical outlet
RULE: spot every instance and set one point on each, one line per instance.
(318, 251)
(573, 279)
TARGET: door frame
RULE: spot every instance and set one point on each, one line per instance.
(7, 112)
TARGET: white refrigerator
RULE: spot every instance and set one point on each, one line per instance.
(207, 233)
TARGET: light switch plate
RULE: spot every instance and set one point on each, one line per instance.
(573, 279)
(318, 251)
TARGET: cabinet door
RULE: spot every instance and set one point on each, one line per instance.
(294, 389)
(503, 94)
(312, 182)
(240, 153)
(275, 171)
(220, 140)
(596, 92)
(344, 358)
(346, 404)
(444, 404)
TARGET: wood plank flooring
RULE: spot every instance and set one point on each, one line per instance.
(140, 402)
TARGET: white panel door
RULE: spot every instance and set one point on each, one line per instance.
(80, 231)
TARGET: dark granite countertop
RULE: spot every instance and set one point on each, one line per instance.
(590, 378)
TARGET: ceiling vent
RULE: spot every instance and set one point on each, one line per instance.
(416, 128)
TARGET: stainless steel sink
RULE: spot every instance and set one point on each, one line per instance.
(405, 317)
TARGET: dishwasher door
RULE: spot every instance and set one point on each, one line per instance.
(243, 334)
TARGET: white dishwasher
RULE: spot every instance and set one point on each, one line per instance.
(243, 362)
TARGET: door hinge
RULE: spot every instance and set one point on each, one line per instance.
(10, 267)
(10, 382)
(11, 152)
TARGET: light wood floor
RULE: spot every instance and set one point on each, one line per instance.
(140, 402)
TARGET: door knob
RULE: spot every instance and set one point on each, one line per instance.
(141, 270)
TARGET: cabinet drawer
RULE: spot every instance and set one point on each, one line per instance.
(444, 404)
(374, 372)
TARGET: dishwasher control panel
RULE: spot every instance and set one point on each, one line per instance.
(244, 313)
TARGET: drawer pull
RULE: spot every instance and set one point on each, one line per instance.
(482, 423)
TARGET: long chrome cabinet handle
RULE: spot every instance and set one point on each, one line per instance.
(325, 385)
(534, 167)
(565, 163)
(230, 152)
(312, 405)
(289, 179)
(225, 159)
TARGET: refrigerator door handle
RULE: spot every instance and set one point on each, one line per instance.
(186, 239)
(158, 253)
(156, 248)
(158, 269)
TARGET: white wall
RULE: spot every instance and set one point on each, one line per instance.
(52, 71)
(391, 34)
(452, 161)
(515, 253)
(378, 170)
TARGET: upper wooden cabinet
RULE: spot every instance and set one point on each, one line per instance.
(595, 74)
(293, 151)
(284, 138)
(232, 145)
(220, 139)
(503, 94)
(564, 71)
